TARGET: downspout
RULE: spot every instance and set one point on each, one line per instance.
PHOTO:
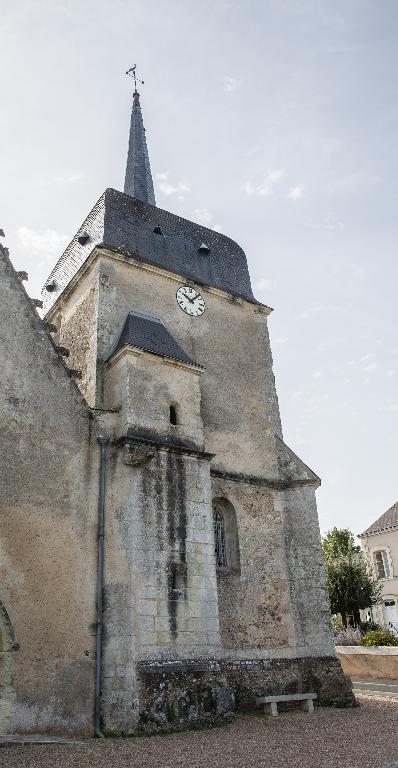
(103, 441)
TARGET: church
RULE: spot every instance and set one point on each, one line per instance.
(160, 557)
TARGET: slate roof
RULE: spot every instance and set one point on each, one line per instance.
(388, 520)
(138, 181)
(122, 223)
(149, 333)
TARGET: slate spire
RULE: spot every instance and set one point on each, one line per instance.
(138, 181)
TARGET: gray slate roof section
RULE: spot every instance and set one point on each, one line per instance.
(125, 224)
(388, 520)
(149, 333)
(138, 181)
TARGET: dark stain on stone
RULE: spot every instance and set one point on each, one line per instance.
(159, 499)
(177, 533)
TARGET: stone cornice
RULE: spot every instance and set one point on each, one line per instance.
(133, 261)
(279, 485)
(128, 349)
(174, 445)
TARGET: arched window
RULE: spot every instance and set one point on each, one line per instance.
(219, 538)
(226, 539)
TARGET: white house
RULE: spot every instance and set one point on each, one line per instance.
(380, 545)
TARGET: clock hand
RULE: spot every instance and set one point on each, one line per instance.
(189, 299)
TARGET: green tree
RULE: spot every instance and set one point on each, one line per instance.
(351, 587)
(338, 542)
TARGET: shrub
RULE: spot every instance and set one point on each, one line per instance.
(379, 637)
(369, 626)
(348, 636)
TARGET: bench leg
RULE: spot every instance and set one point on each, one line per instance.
(307, 705)
(271, 709)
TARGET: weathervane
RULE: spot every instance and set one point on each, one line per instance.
(132, 74)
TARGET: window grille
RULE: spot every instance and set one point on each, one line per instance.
(219, 538)
(382, 566)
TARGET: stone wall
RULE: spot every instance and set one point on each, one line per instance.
(48, 491)
(239, 407)
(142, 387)
(77, 321)
(180, 694)
(254, 603)
(161, 592)
(309, 595)
(378, 662)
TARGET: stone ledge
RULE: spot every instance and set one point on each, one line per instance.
(376, 650)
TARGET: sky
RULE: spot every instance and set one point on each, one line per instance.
(273, 121)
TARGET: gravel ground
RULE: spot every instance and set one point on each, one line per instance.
(365, 737)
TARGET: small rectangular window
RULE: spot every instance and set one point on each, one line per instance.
(382, 566)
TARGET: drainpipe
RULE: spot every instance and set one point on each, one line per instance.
(103, 441)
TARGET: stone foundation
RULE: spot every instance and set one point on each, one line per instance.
(185, 694)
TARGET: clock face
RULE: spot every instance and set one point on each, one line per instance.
(190, 301)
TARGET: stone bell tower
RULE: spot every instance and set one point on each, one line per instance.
(214, 584)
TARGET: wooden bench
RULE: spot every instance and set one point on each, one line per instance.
(271, 702)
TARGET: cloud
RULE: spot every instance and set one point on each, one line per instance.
(168, 189)
(204, 217)
(279, 341)
(390, 407)
(371, 367)
(48, 242)
(297, 394)
(262, 284)
(277, 175)
(231, 84)
(296, 193)
(63, 180)
(266, 187)
(332, 224)
(311, 311)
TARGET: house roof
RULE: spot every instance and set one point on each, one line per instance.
(388, 520)
(148, 333)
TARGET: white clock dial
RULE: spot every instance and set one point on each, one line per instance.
(190, 301)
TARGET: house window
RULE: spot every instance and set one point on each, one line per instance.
(219, 538)
(382, 565)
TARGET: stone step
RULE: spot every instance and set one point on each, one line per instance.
(20, 740)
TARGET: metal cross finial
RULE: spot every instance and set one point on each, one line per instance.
(132, 74)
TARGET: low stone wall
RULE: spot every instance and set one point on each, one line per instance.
(180, 694)
(376, 662)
